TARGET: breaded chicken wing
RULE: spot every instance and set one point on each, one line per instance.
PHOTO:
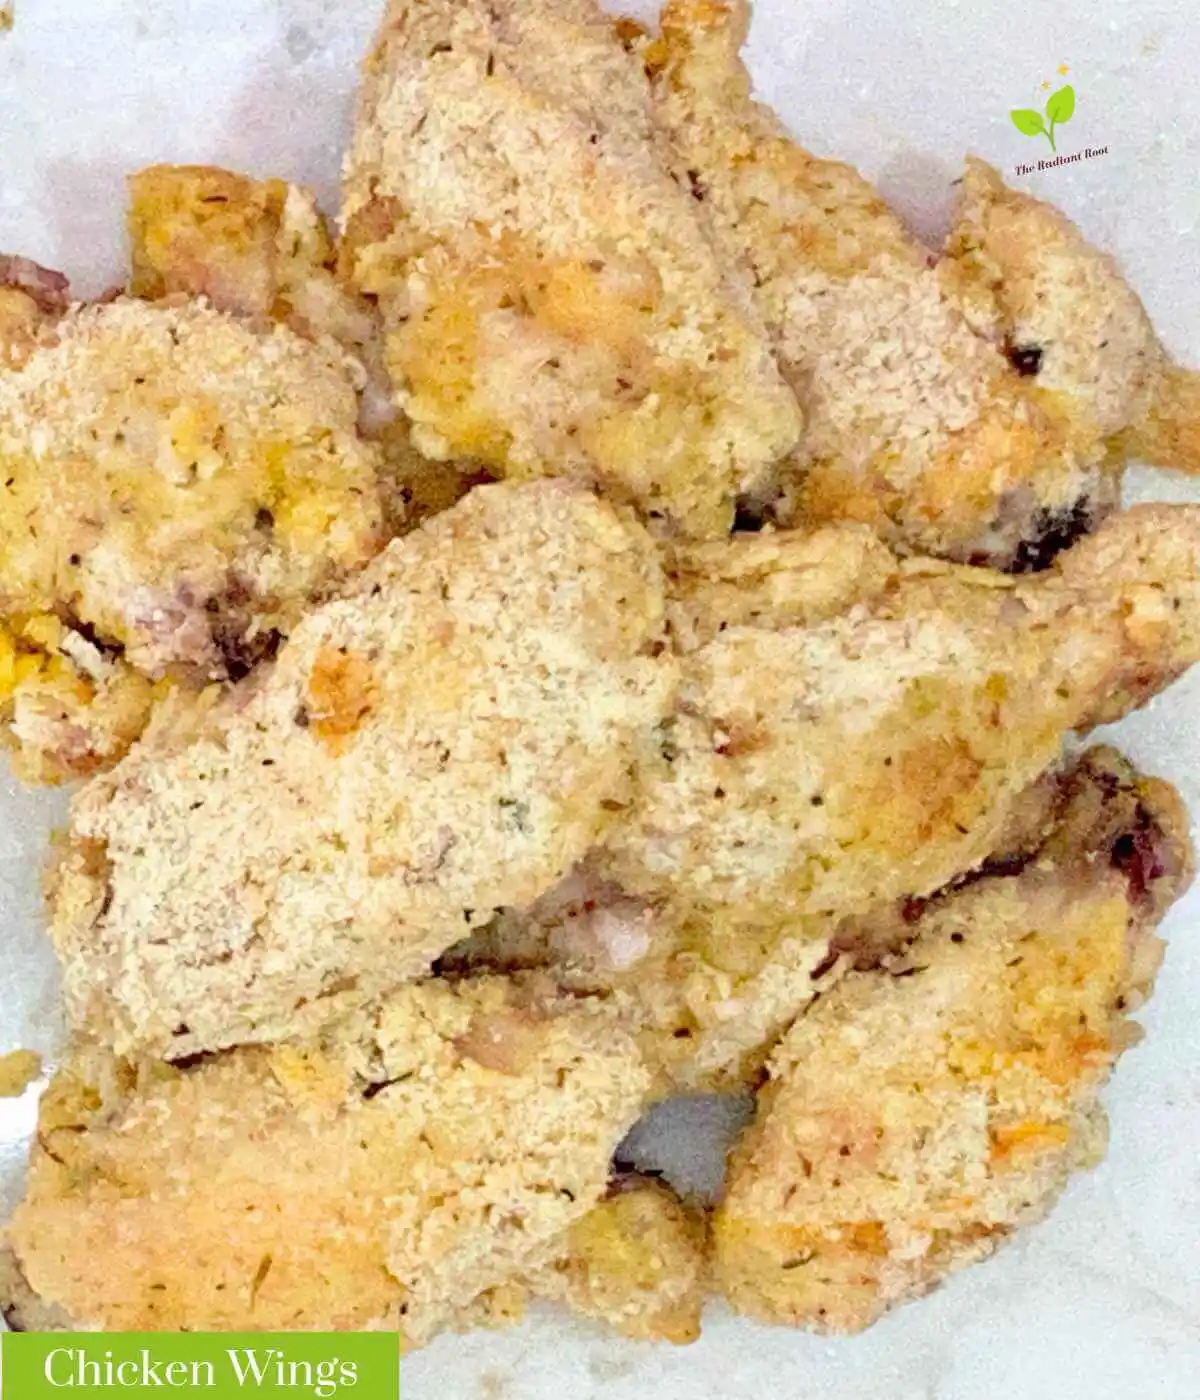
(261, 248)
(418, 1157)
(553, 301)
(450, 736)
(824, 770)
(1032, 284)
(914, 424)
(177, 488)
(916, 1116)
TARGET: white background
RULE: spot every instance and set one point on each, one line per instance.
(1103, 1301)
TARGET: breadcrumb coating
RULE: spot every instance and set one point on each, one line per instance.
(812, 782)
(823, 770)
(774, 579)
(439, 1148)
(914, 424)
(18, 1070)
(1031, 283)
(637, 1262)
(916, 1116)
(448, 737)
(261, 248)
(553, 300)
(177, 489)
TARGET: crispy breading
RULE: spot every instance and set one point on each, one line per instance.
(916, 1116)
(928, 725)
(824, 770)
(914, 424)
(435, 1149)
(706, 996)
(553, 300)
(1032, 284)
(261, 248)
(637, 1262)
(18, 1070)
(178, 487)
(448, 737)
(813, 780)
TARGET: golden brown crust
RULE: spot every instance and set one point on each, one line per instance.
(262, 249)
(385, 1177)
(915, 425)
(178, 488)
(553, 301)
(637, 1262)
(917, 1115)
(448, 737)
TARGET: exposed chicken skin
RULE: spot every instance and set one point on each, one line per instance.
(1031, 283)
(553, 300)
(414, 1159)
(914, 424)
(32, 300)
(178, 487)
(917, 1115)
(450, 736)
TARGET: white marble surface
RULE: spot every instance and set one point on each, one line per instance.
(1103, 1301)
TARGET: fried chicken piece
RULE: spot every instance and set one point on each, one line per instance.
(177, 489)
(929, 726)
(707, 996)
(635, 1262)
(448, 737)
(916, 1117)
(553, 301)
(261, 248)
(810, 771)
(914, 425)
(1033, 285)
(434, 1150)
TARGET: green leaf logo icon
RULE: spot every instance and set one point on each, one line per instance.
(1060, 105)
(1027, 122)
